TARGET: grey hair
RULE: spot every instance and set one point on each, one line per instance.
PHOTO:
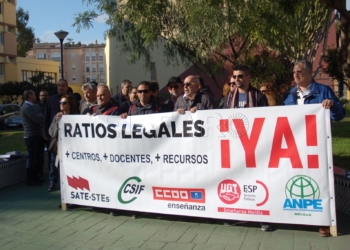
(307, 64)
(104, 86)
(90, 85)
(125, 82)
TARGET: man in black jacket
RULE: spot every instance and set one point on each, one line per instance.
(176, 90)
(51, 109)
(123, 96)
(145, 104)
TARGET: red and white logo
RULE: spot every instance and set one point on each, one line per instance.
(196, 195)
(229, 191)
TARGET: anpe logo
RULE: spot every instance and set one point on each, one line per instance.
(179, 194)
(303, 194)
(129, 189)
(229, 191)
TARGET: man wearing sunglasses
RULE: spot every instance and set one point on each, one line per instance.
(176, 89)
(244, 95)
(145, 104)
(193, 99)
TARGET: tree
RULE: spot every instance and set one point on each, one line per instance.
(211, 35)
(25, 35)
(342, 56)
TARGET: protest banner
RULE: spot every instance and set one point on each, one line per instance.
(270, 164)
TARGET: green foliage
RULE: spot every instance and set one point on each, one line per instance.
(332, 68)
(211, 35)
(11, 92)
(345, 102)
(25, 35)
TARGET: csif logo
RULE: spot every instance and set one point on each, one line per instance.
(303, 194)
(129, 189)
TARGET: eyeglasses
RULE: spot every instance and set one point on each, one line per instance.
(173, 87)
(146, 91)
(63, 103)
(232, 83)
(134, 93)
(239, 76)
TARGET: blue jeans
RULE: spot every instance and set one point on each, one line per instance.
(53, 173)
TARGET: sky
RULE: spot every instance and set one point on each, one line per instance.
(48, 16)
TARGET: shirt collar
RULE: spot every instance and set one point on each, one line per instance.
(28, 102)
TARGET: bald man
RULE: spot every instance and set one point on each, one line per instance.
(193, 99)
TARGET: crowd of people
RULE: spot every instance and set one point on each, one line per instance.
(191, 94)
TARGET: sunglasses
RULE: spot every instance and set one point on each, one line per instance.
(173, 87)
(232, 83)
(146, 91)
(239, 76)
(63, 103)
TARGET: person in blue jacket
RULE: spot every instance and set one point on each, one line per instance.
(308, 91)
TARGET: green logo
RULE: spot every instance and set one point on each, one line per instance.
(130, 189)
(302, 187)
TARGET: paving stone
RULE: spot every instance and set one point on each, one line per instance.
(153, 245)
(167, 236)
(209, 247)
(177, 246)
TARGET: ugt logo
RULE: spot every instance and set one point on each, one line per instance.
(303, 193)
(229, 191)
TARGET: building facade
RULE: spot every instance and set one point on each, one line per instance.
(80, 64)
(8, 40)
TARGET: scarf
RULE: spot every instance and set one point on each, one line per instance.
(250, 102)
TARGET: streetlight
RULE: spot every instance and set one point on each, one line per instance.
(61, 35)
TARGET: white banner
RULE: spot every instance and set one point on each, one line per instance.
(270, 164)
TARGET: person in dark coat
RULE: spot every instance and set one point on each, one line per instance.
(193, 99)
(123, 96)
(176, 89)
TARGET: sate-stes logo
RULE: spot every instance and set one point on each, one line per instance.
(79, 183)
(229, 191)
(196, 195)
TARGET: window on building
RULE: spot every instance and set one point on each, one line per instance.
(102, 68)
(93, 57)
(12, 59)
(93, 67)
(10, 1)
(10, 29)
(0, 8)
(73, 66)
(74, 78)
(88, 79)
(102, 78)
(87, 56)
(73, 55)
(1, 36)
(94, 78)
(41, 56)
(100, 56)
(2, 69)
(56, 56)
(87, 69)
